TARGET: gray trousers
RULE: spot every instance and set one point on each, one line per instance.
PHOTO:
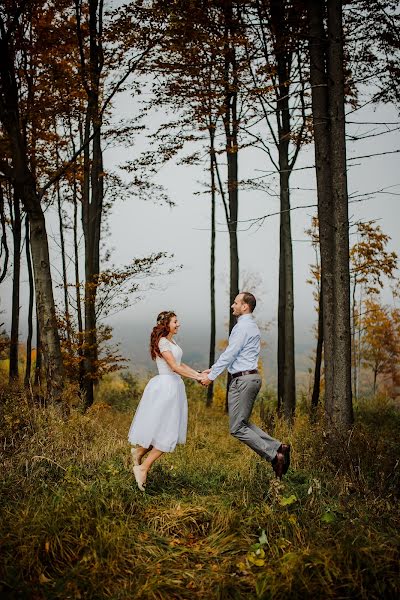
(241, 397)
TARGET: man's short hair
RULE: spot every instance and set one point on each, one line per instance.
(249, 299)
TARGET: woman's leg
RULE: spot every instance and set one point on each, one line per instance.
(153, 455)
(141, 471)
(138, 453)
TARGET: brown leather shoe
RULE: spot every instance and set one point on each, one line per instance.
(285, 449)
(281, 462)
(278, 464)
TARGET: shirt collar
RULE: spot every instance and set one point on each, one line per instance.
(245, 317)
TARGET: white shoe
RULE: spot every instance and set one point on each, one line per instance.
(135, 456)
(140, 480)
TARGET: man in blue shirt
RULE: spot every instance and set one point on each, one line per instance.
(241, 359)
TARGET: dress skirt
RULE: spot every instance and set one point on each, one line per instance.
(162, 414)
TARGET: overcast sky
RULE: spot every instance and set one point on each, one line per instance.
(139, 228)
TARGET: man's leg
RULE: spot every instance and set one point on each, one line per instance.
(241, 397)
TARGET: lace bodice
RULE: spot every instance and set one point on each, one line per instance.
(162, 365)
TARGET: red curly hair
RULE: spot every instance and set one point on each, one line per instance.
(159, 331)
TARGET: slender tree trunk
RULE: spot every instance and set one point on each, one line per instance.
(353, 337)
(342, 403)
(49, 340)
(233, 242)
(81, 369)
(38, 362)
(281, 322)
(63, 259)
(231, 125)
(93, 190)
(359, 345)
(3, 243)
(92, 228)
(319, 84)
(318, 355)
(231, 134)
(375, 378)
(15, 209)
(210, 389)
(286, 369)
(28, 367)
(286, 354)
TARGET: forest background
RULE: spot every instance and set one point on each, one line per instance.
(138, 227)
(164, 155)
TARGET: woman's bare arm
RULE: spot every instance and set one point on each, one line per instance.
(181, 369)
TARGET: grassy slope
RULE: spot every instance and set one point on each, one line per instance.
(74, 525)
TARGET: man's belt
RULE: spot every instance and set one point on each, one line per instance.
(240, 373)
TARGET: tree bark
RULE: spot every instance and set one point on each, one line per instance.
(28, 367)
(231, 125)
(318, 355)
(3, 243)
(342, 399)
(231, 134)
(319, 85)
(93, 189)
(81, 368)
(15, 211)
(286, 354)
(210, 389)
(38, 362)
(63, 259)
(49, 340)
(353, 338)
(327, 81)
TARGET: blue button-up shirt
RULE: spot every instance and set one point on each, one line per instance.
(243, 349)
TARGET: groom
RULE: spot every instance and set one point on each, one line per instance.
(241, 358)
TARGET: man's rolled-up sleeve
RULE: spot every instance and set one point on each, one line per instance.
(236, 342)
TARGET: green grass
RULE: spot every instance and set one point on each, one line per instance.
(213, 522)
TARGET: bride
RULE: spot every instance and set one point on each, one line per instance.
(160, 421)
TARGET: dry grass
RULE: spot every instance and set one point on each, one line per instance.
(213, 522)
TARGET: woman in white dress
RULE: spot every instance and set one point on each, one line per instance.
(160, 421)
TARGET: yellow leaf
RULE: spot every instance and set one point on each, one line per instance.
(259, 562)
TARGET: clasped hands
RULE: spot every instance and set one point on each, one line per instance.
(203, 379)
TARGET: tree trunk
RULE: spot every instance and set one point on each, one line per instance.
(38, 362)
(93, 190)
(28, 368)
(319, 85)
(353, 338)
(49, 340)
(210, 389)
(342, 402)
(233, 243)
(286, 354)
(281, 323)
(3, 242)
(81, 368)
(15, 211)
(92, 227)
(231, 125)
(318, 355)
(63, 259)
(286, 368)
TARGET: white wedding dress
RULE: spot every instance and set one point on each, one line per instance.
(161, 416)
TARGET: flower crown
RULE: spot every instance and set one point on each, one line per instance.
(164, 315)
